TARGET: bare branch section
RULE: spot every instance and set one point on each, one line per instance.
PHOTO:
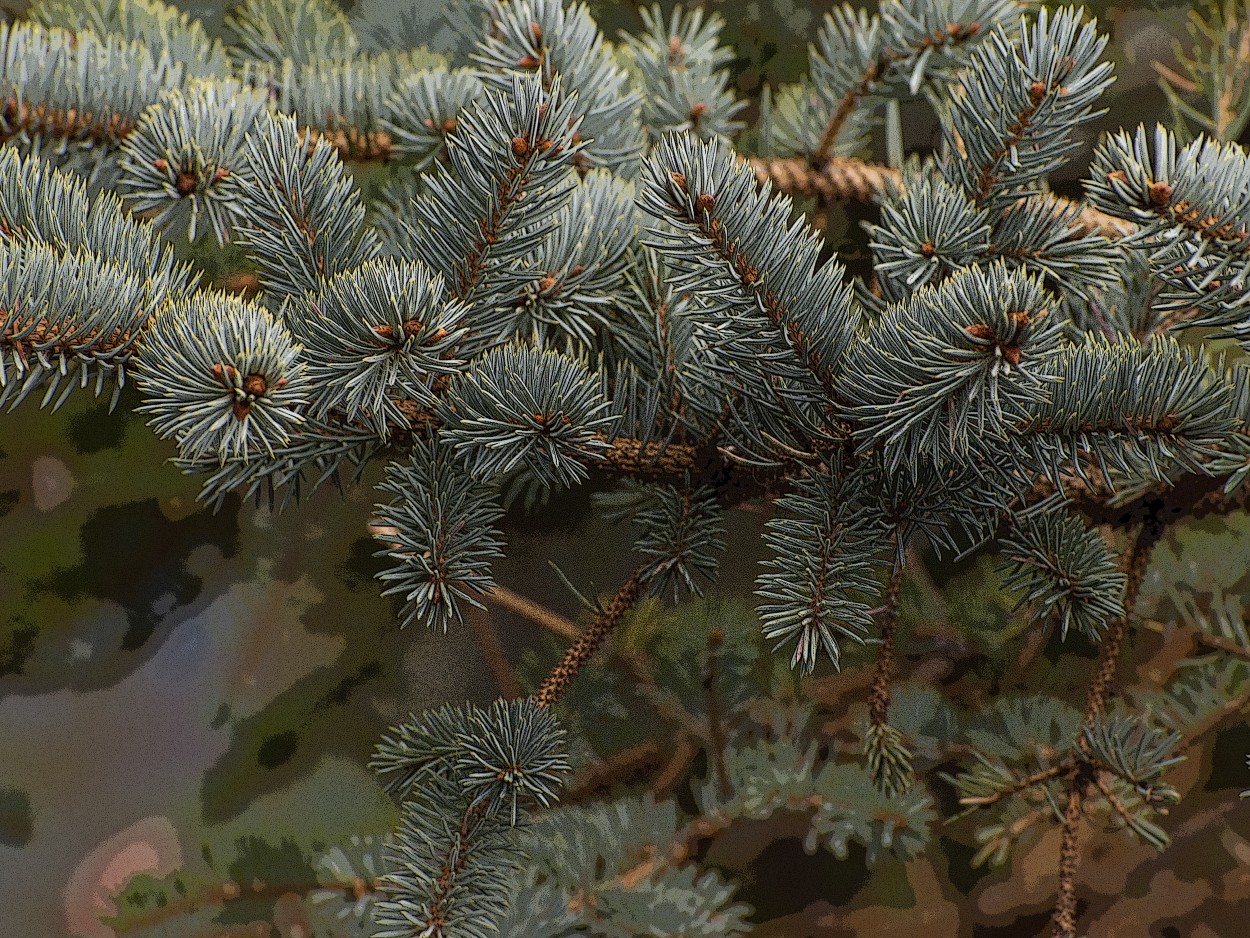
(557, 682)
(849, 180)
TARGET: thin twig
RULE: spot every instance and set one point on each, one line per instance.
(618, 769)
(581, 650)
(716, 732)
(683, 754)
(879, 697)
(1020, 784)
(540, 615)
(1069, 857)
(492, 651)
(1096, 702)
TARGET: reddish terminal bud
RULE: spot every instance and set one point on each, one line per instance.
(255, 385)
(1012, 354)
(1159, 193)
(527, 61)
(186, 183)
(536, 31)
(979, 330)
(704, 203)
(219, 174)
(160, 165)
(1037, 91)
(678, 180)
(520, 146)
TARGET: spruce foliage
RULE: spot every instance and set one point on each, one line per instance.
(575, 272)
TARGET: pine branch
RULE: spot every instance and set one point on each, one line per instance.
(584, 648)
(621, 768)
(716, 732)
(889, 761)
(912, 37)
(843, 179)
(1085, 773)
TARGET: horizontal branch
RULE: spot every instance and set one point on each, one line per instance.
(841, 179)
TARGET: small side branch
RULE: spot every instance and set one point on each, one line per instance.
(879, 697)
(557, 682)
(1037, 778)
(850, 180)
(1096, 703)
(1069, 858)
(716, 732)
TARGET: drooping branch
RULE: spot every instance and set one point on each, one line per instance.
(1085, 773)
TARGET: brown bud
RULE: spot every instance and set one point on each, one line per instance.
(928, 249)
(429, 123)
(359, 888)
(437, 335)
(527, 61)
(678, 180)
(255, 385)
(230, 889)
(1019, 318)
(979, 330)
(704, 203)
(1159, 193)
(520, 146)
(577, 269)
(385, 331)
(546, 283)
(674, 45)
(449, 125)
(1012, 354)
(1037, 91)
(186, 183)
(218, 374)
(279, 384)
(697, 110)
(1117, 175)
(160, 165)
(536, 31)
(219, 174)
(412, 327)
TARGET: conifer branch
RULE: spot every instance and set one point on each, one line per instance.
(1018, 785)
(620, 768)
(1084, 773)
(1069, 857)
(716, 731)
(889, 56)
(584, 648)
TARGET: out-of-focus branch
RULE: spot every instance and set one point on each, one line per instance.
(841, 179)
